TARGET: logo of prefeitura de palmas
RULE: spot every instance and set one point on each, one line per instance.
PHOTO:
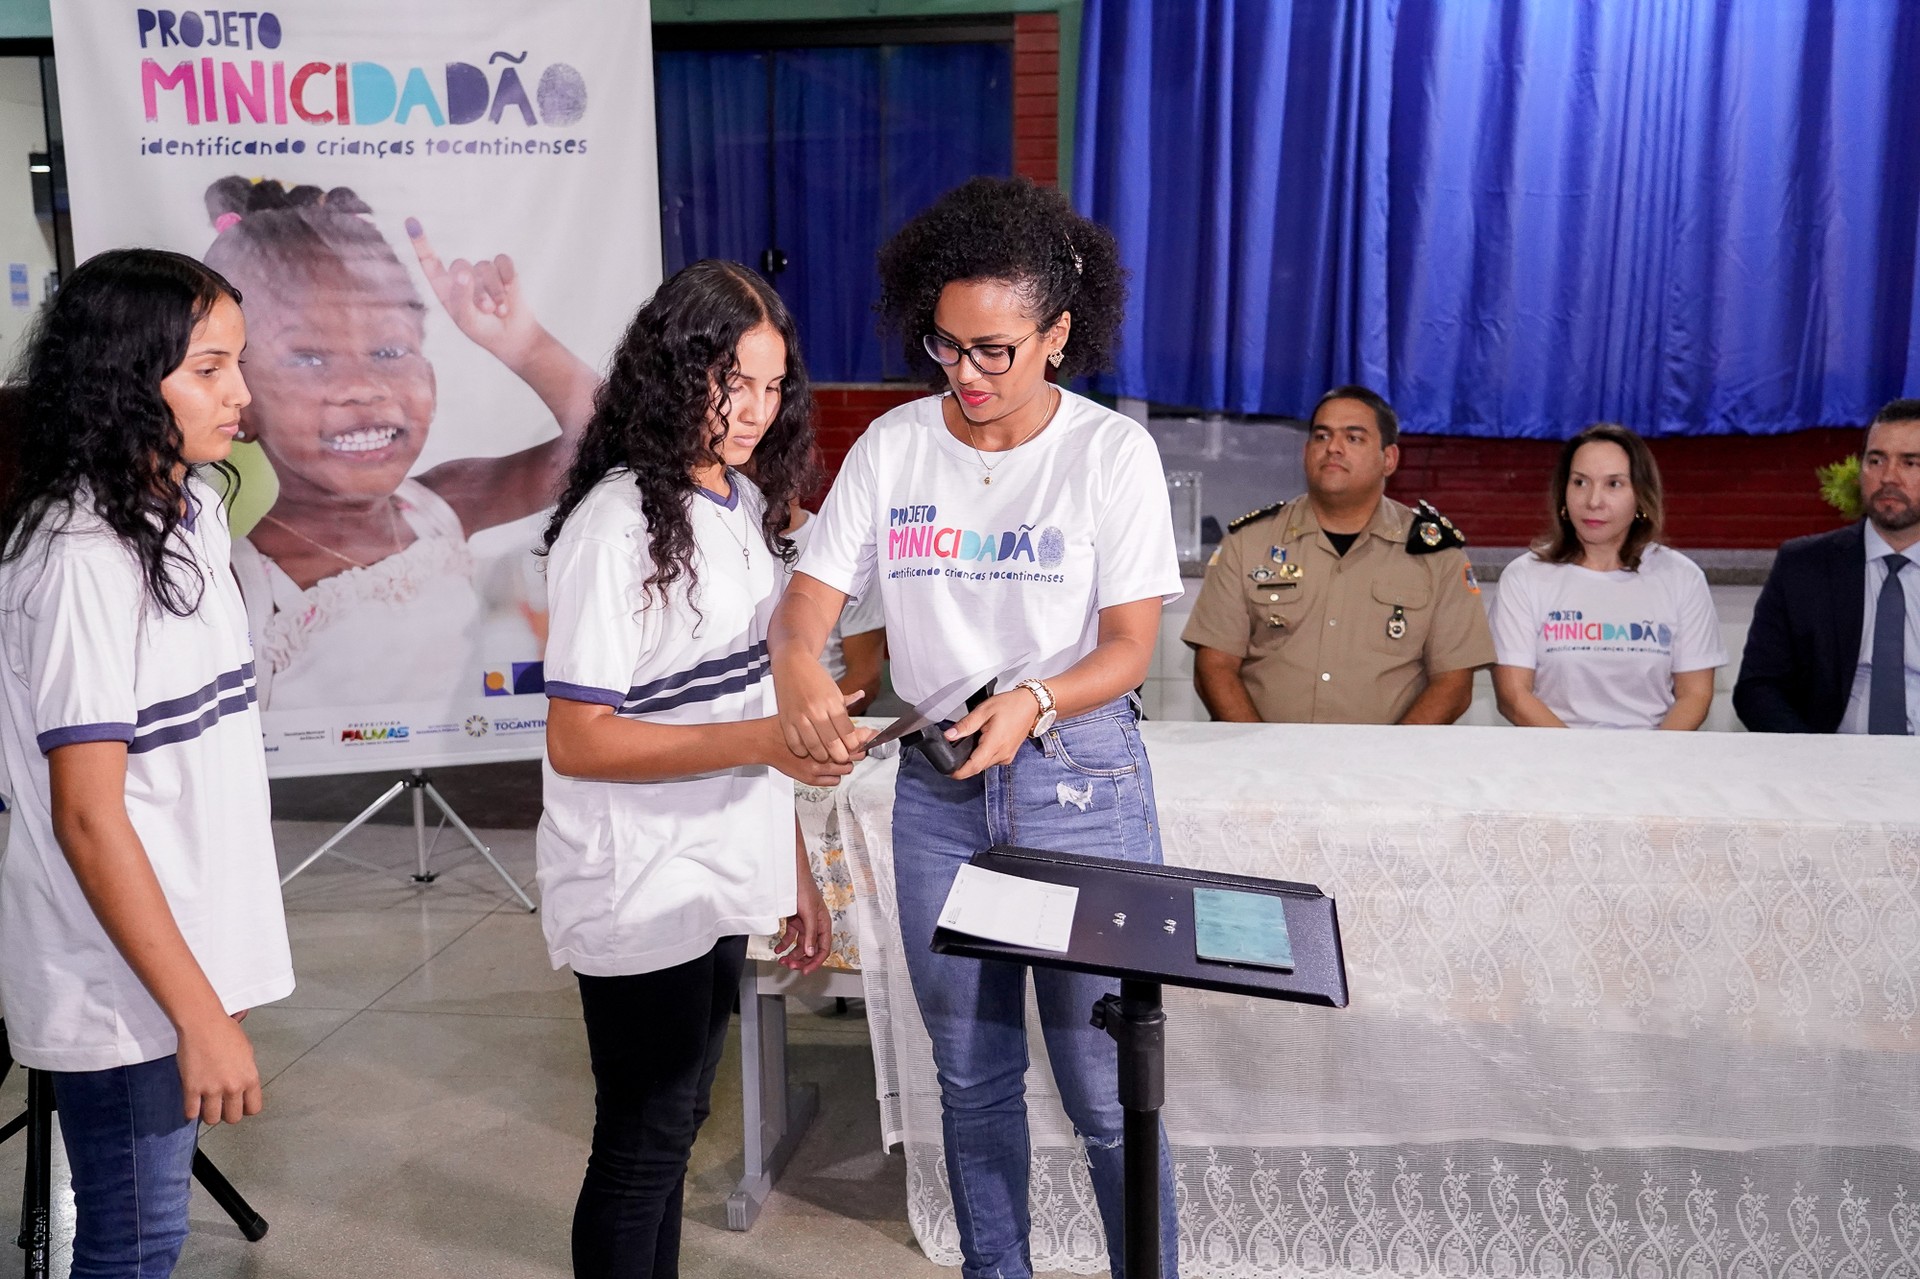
(236, 67)
(373, 734)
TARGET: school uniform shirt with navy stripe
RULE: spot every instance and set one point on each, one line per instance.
(88, 657)
(640, 876)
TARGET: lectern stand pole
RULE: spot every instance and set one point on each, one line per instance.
(1137, 1025)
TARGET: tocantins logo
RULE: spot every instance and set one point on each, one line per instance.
(476, 726)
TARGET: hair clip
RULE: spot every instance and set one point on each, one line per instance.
(1072, 252)
(225, 221)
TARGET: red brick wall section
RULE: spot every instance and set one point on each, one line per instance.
(1723, 492)
(1036, 97)
(843, 410)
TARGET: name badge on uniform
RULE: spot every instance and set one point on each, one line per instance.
(1397, 624)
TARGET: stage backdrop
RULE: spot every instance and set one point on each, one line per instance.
(440, 215)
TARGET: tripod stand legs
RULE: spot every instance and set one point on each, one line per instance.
(36, 1197)
(422, 790)
(36, 1192)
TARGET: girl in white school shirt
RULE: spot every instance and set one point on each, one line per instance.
(1011, 525)
(139, 901)
(668, 833)
(1600, 626)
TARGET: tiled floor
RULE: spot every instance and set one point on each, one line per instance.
(428, 1102)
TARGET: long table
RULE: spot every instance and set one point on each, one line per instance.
(1625, 1006)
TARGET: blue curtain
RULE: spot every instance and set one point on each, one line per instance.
(1693, 216)
(858, 140)
(711, 110)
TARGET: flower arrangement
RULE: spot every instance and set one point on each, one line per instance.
(1840, 486)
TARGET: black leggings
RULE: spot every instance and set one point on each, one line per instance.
(655, 1040)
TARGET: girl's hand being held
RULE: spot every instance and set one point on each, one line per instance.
(813, 714)
(804, 769)
(1003, 721)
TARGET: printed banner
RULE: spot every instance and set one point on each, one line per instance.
(440, 214)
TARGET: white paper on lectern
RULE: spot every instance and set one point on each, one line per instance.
(1006, 908)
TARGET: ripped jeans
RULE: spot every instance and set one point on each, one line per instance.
(1083, 788)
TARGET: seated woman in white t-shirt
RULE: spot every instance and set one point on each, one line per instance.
(668, 834)
(1600, 626)
(140, 911)
(1012, 527)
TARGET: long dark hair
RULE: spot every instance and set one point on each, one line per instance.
(669, 376)
(89, 412)
(1561, 543)
(1015, 230)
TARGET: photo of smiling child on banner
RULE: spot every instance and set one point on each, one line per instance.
(359, 576)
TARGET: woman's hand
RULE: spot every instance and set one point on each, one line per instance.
(1004, 721)
(813, 713)
(807, 938)
(218, 1078)
(483, 300)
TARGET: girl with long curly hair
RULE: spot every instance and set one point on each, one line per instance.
(139, 902)
(668, 834)
(1006, 523)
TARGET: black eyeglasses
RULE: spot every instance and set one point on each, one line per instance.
(991, 358)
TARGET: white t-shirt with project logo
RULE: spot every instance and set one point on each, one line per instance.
(1604, 647)
(1006, 578)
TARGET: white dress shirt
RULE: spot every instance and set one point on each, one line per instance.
(1855, 720)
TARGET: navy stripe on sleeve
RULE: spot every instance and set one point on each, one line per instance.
(584, 693)
(54, 738)
(234, 703)
(701, 693)
(705, 670)
(188, 702)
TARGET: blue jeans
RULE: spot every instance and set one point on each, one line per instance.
(131, 1149)
(1083, 788)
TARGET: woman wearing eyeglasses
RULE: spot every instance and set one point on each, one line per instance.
(1013, 526)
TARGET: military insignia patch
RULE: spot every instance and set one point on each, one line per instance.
(1432, 532)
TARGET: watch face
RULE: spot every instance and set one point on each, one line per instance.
(1041, 725)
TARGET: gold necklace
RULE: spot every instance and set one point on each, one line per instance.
(1044, 423)
(393, 530)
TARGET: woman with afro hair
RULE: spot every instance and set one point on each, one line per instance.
(1007, 524)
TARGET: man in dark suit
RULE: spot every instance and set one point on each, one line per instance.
(1835, 642)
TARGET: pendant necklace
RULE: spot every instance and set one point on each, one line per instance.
(745, 544)
(1044, 423)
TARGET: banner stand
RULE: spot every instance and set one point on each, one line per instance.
(423, 790)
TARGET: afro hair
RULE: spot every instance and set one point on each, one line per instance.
(1017, 231)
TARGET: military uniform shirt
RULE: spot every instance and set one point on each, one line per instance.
(1332, 639)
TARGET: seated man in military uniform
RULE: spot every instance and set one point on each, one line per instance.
(1342, 606)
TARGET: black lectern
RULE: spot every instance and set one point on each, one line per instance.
(1137, 923)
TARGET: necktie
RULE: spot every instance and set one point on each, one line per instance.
(1887, 689)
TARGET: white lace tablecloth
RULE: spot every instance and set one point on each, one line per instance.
(1625, 1006)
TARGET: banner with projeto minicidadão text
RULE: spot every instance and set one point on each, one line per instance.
(440, 215)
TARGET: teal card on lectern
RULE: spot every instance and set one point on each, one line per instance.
(1241, 928)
